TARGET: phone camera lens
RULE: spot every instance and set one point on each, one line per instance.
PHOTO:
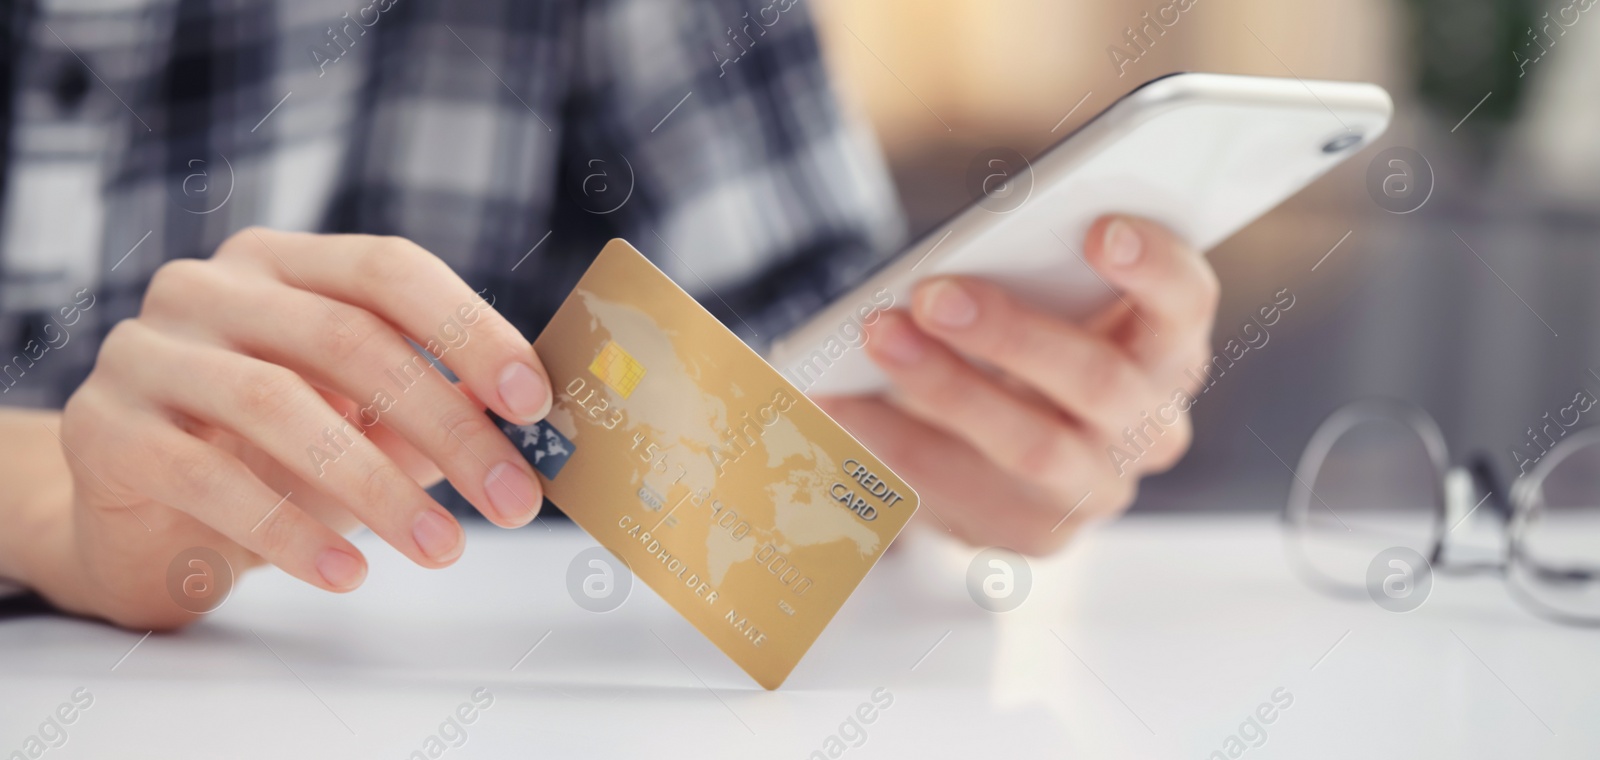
(1342, 142)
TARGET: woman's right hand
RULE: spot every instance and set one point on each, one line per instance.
(266, 400)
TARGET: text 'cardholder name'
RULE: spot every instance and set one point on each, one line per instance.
(691, 459)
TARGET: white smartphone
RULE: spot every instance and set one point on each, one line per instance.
(1203, 154)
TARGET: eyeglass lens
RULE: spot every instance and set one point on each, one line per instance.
(1376, 489)
(1558, 539)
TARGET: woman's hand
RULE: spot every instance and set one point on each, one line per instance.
(266, 400)
(1020, 458)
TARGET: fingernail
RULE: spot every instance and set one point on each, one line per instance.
(340, 570)
(949, 306)
(901, 344)
(511, 493)
(524, 392)
(1122, 245)
(438, 536)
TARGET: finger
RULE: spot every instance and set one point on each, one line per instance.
(395, 446)
(414, 290)
(278, 412)
(219, 491)
(934, 385)
(1082, 373)
(415, 463)
(392, 384)
(1170, 288)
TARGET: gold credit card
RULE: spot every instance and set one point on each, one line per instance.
(692, 460)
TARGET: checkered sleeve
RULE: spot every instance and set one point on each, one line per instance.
(749, 182)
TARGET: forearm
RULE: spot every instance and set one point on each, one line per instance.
(36, 500)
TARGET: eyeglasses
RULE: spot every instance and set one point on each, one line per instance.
(1376, 486)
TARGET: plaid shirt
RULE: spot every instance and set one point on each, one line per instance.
(509, 137)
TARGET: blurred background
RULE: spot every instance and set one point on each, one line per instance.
(1499, 96)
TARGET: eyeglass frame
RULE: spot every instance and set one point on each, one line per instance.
(1514, 512)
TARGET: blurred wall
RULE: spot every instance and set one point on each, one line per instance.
(1012, 68)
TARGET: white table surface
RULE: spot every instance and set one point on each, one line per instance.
(1154, 636)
